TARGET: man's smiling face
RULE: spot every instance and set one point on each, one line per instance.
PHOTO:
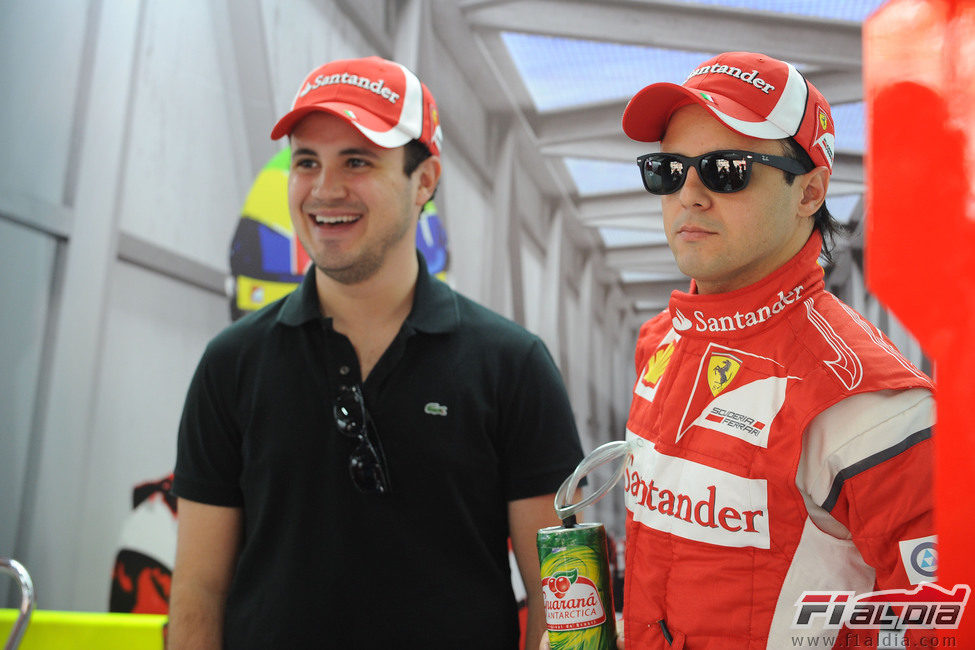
(351, 203)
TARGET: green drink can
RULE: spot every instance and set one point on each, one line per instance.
(578, 594)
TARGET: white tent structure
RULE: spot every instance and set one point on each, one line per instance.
(131, 131)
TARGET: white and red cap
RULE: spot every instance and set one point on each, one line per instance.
(752, 94)
(381, 98)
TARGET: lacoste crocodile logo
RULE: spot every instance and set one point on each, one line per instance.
(433, 408)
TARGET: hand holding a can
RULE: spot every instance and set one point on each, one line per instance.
(574, 560)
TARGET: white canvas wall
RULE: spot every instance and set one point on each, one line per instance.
(131, 131)
(182, 187)
(465, 208)
(27, 260)
(41, 63)
(151, 349)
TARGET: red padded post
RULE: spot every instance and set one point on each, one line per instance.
(919, 82)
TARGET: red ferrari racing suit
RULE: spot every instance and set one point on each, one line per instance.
(780, 444)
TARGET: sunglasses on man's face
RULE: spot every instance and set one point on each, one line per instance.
(366, 465)
(723, 171)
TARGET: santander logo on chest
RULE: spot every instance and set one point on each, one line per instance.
(694, 501)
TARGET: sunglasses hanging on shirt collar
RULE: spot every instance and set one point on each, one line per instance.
(366, 464)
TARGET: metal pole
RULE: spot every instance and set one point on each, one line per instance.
(17, 570)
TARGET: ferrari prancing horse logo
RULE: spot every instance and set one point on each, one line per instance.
(722, 368)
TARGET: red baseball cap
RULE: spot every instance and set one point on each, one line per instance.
(752, 94)
(381, 98)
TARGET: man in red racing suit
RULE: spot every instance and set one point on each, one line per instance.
(781, 443)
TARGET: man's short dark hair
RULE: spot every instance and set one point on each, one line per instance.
(827, 225)
(414, 153)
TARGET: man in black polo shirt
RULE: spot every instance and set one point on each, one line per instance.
(353, 458)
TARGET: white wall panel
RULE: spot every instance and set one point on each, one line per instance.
(576, 368)
(39, 77)
(180, 190)
(61, 428)
(532, 273)
(302, 35)
(465, 207)
(532, 211)
(599, 380)
(27, 261)
(465, 122)
(155, 332)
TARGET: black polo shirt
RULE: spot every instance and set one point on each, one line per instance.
(471, 413)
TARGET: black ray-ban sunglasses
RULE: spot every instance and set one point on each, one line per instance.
(724, 171)
(366, 464)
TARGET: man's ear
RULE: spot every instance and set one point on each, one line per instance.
(428, 175)
(814, 185)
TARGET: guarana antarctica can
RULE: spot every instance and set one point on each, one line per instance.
(576, 586)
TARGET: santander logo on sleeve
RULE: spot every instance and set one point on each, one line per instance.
(694, 501)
